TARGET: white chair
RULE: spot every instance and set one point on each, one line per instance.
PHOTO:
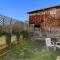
(58, 44)
(49, 43)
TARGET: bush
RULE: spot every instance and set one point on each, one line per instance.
(25, 34)
(17, 35)
(0, 30)
(8, 39)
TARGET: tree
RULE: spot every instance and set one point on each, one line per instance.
(18, 25)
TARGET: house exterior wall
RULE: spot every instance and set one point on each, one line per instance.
(49, 16)
(48, 19)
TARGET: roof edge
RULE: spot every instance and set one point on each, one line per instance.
(33, 11)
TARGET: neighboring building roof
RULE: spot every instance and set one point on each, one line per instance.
(56, 6)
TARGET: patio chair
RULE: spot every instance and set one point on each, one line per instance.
(58, 44)
(49, 43)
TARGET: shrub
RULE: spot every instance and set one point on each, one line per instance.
(17, 35)
(0, 30)
(25, 34)
(8, 39)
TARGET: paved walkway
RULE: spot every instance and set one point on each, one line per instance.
(58, 58)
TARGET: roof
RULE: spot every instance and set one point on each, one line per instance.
(56, 6)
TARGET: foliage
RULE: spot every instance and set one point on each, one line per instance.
(57, 51)
(8, 39)
(24, 33)
(0, 30)
(18, 35)
(17, 26)
(30, 50)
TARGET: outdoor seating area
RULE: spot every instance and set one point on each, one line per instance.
(50, 43)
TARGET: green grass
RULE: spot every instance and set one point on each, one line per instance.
(29, 50)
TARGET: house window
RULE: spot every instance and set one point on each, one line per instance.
(52, 11)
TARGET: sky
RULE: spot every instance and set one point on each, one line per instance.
(18, 8)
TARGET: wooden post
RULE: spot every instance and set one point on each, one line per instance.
(44, 17)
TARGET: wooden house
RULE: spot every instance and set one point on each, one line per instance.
(45, 22)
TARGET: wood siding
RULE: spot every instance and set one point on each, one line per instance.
(46, 18)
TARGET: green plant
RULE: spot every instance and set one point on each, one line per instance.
(24, 33)
(0, 30)
(8, 39)
(18, 35)
(29, 50)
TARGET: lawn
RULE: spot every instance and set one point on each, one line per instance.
(29, 50)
